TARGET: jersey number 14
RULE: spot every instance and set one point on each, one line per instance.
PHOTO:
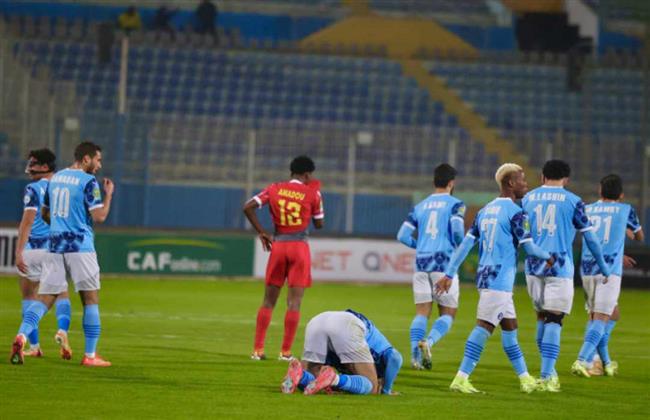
(545, 221)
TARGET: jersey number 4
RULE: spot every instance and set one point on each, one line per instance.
(545, 221)
(432, 224)
(289, 213)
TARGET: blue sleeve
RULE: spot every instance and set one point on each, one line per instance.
(30, 200)
(393, 361)
(46, 197)
(596, 250)
(92, 195)
(457, 230)
(535, 251)
(633, 222)
(520, 227)
(411, 219)
(580, 220)
(405, 235)
(460, 254)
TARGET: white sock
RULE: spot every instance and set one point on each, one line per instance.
(524, 375)
(336, 381)
(462, 375)
(90, 355)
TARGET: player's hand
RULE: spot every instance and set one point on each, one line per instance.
(109, 187)
(629, 233)
(550, 262)
(20, 262)
(443, 285)
(606, 279)
(267, 241)
(628, 262)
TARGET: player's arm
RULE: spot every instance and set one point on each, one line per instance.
(249, 211)
(318, 208)
(393, 362)
(24, 229)
(634, 226)
(407, 231)
(596, 250)
(521, 230)
(99, 209)
(459, 255)
(457, 223)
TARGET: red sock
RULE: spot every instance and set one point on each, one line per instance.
(291, 321)
(263, 321)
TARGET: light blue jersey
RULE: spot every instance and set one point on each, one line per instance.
(500, 227)
(71, 196)
(555, 216)
(610, 220)
(39, 236)
(440, 225)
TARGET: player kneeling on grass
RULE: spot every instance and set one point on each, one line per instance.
(611, 220)
(499, 227)
(350, 343)
(293, 204)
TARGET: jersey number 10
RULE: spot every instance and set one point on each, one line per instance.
(60, 202)
(289, 213)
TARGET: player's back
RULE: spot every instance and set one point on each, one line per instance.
(34, 198)
(555, 215)
(292, 204)
(610, 221)
(72, 194)
(435, 244)
(499, 227)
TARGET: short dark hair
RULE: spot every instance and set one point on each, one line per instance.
(86, 148)
(44, 156)
(611, 187)
(443, 174)
(556, 169)
(302, 165)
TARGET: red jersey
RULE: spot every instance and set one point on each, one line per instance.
(292, 205)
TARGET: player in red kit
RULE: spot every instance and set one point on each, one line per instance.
(293, 204)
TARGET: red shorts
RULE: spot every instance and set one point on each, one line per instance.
(289, 261)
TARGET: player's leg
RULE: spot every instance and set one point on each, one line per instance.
(291, 320)
(63, 317)
(605, 301)
(511, 347)
(298, 278)
(29, 292)
(423, 297)
(447, 308)
(535, 287)
(610, 366)
(361, 380)
(276, 273)
(558, 299)
(491, 306)
(84, 272)
(53, 282)
(314, 355)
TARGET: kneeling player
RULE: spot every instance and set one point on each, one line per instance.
(611, 220)
(349, 342)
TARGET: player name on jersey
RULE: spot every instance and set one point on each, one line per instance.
(296, 195)
(65, 179)
(603, 209)
(546, 196)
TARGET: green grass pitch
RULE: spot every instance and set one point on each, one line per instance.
(180, 349)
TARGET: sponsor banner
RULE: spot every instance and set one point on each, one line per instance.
(8, 240)
(174, 254)
(353, 259)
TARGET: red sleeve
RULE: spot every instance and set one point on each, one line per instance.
(317, 209)
(262, 198)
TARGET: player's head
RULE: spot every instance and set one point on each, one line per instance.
(88, 156)
(302, 167)
(444, 176)
(40, 162)
(611, 187)
(556, 170)
(511, 179)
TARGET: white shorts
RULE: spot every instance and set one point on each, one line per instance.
(34, 259)
(495, 305)
(424, 289)
(550, 293)
(599, 297)
(340, 332)
(81, 267)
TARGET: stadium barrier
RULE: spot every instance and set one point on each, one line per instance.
(333, 259)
